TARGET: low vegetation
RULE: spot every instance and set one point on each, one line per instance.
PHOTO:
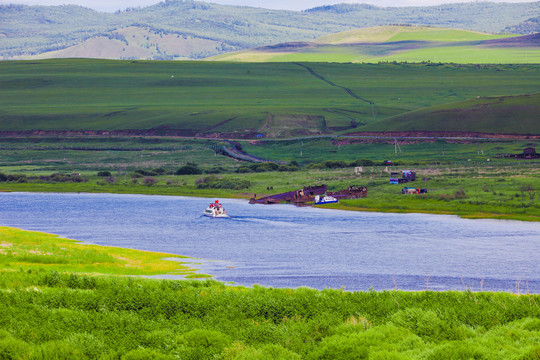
(55, 307)
(399, 44)
(60, 98)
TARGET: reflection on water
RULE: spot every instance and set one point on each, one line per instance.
(286, 246)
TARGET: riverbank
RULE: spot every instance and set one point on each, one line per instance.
(50, 252)
(56, 304)
(487, 193)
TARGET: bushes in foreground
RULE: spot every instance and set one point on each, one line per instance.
(71, 316)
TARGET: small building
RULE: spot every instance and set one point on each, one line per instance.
(406, 176)
(528, 153)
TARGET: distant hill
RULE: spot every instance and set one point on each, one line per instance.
(529, 26)
(402, 44)
(176, 29)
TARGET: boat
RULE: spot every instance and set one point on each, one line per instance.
(215, 209)
(325, 199)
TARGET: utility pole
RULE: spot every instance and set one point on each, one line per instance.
(396, 146)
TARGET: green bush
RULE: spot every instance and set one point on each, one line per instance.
(458, 351)
(57, 350)
(240, 351)
(146, 354)
(202, 344)
(11, 348)
(189, 170)
(340, 347)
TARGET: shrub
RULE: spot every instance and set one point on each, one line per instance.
(457, 351)
(88, 344)
(57, 350)
(159, 171)
(264, 167)
(362, 162)
(335, 164)
(202, 344)
(216, 170)
(243, 170)
(104, 173)
(149, 181)
(239, 351)
(460, 194)
(189, 170)
(532, 353)
(342, 348)
(146, 354)
(11, 348)
(145, 172)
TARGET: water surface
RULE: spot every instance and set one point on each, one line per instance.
(288, 246)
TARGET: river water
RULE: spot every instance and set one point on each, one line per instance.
(288, 246)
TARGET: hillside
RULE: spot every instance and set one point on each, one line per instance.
(214, 29)
(242, 100)
(403, 44)
(508, 114)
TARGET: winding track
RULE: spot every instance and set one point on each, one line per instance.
(347, 90)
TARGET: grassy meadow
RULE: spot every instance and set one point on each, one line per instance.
(396, 43)
(55, 307)
(241, 99)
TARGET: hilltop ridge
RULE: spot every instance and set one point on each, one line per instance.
(402, 44)
(146, 33)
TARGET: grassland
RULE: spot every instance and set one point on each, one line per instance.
(209, 99)
(49, 312)
(472, 114)
(51, 252)
(380, 34)
(401, 44)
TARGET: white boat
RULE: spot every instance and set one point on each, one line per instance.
(326, 199)
(215, 209)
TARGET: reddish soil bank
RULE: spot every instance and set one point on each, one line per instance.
(251, 135)
(445, 134)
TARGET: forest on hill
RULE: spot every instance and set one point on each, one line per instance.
(191, 29)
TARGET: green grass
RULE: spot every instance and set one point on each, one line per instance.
(400, 52)
(48, 312)
(30, 249)
(398, 43)
(208, 98)
(405, 33)
(476, 114)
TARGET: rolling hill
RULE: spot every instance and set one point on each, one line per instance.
(176, 29)
(242, 100)
(402, 44)
(507, 114)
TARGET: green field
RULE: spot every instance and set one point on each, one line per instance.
(49, 312)
(241, 100)
(476, 115)
(398, 43)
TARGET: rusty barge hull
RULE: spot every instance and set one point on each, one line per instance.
(307, 194)
(304, 195)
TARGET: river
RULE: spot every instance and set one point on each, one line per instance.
(288, 246)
